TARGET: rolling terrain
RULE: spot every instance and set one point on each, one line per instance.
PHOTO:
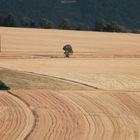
(95, 94)
(37, 43)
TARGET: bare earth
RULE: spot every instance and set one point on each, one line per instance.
(107, 64)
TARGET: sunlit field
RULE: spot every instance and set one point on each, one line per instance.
(93, 95)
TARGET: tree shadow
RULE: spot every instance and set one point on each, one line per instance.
(3, 86)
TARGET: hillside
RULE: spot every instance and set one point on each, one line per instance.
(93, 95)
(126, 12)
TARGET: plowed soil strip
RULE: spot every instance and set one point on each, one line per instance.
(57, 118)
(15, 117)
(116, 116)
(84, 115)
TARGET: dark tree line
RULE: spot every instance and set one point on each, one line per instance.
(100, 24)
(8, 21)
(123, 11)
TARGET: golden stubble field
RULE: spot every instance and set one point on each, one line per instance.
(38, 43)
(108, 64)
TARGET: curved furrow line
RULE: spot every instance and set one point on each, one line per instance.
(83, 115)
(26, 96)
(49, 121)
(136, 97)
(40, 100)
(20, 119)
(45, 101)
(60, 112)
(4, 114)
(115, 118)
(5, 127)
(52, 131)
(42, 107)
(109, 111)
(134, 109)
(35, 105)
(65, 120)
(35, 100)
(90, 126)
(42, 115)
(24, 119)
(130, 103)
(105, 113)
(66, 133)
(9, 124)
(29, 119)
(126, 117)
(18, 112)
(109, 123)
(65, 109)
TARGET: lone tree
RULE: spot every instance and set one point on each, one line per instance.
(68, 50)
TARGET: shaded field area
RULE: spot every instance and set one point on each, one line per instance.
(10, 79)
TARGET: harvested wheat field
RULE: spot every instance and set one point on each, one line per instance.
(37, 43)
(94, 95)
(16, 119)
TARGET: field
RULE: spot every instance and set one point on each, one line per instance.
(94, 95)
